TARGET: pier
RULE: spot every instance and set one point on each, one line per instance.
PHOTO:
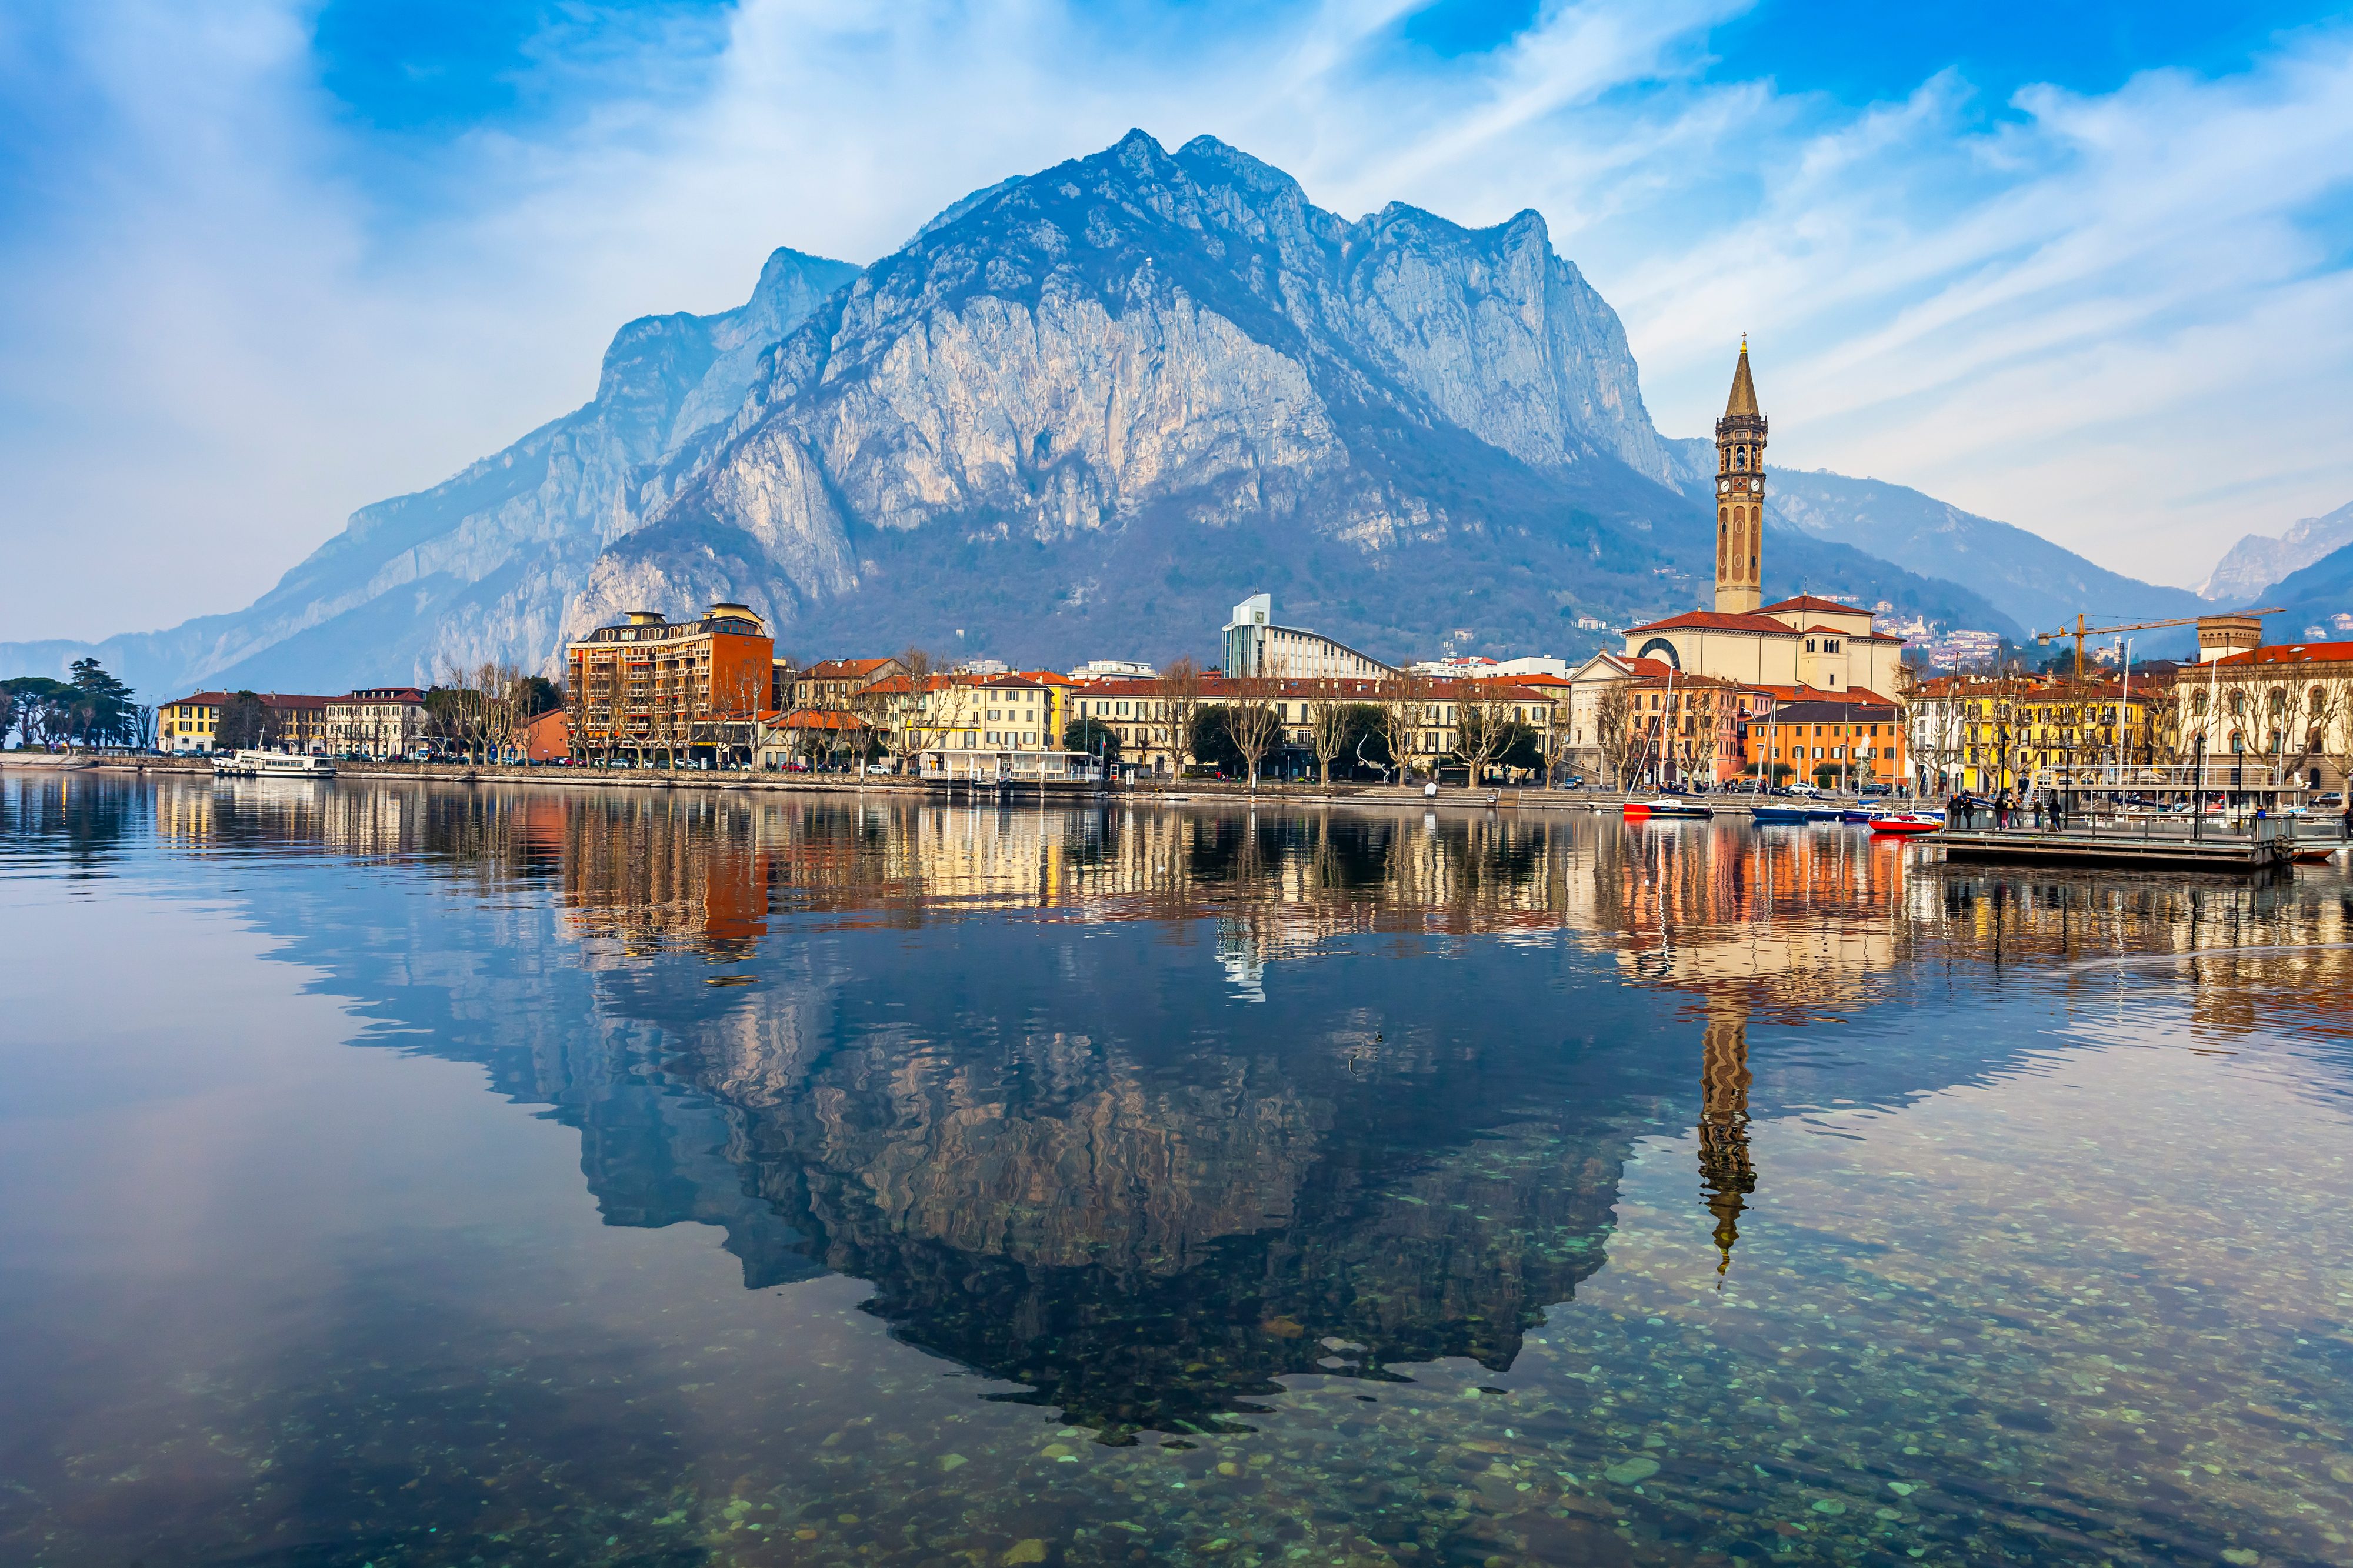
(2258, 845)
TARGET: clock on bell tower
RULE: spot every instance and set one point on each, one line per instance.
(1739, 496)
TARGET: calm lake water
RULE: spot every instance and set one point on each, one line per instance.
(406, 1174)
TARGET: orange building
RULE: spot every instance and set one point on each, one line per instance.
(692, 691)
(1816, 737)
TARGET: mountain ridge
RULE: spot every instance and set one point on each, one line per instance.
(1079, 412)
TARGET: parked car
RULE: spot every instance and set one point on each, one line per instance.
(1804, 789)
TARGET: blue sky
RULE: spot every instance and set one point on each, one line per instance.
(2083, 267)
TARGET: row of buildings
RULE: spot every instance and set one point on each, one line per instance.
(380, 721)
(1806, 688)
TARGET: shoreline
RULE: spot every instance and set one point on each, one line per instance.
(1191, 792)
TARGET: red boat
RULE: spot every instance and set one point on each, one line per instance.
(1906, 822)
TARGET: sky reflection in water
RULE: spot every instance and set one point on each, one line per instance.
(1157, 1185)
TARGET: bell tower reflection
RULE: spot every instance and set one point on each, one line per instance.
(1726, 1174)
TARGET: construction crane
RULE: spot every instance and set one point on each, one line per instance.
(2081, 631)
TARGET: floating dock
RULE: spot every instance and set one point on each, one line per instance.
(2268, 843)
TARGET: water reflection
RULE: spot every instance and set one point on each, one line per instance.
(1173, 1121)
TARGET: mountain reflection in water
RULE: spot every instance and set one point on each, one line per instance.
(1075, 1167)
(1324, 1125)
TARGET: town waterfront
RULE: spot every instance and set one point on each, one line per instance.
(404, 1172)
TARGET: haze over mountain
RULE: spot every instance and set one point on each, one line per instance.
(1080, 413)
(2258, 560)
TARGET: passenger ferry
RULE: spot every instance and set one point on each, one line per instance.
(271, 765)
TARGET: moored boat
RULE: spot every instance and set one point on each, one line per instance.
(1780, 814)
(1666, 805)
(271, 765)
(1906, 822)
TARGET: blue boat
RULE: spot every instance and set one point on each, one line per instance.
(1794, 814)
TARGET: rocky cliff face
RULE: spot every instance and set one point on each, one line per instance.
(1080, 412)
(1131, 347)
(2258, 560)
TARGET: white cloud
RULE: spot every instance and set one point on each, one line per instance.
(2095, 316)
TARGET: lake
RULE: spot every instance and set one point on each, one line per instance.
(419, 1173)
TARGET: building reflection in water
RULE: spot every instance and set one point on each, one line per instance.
(1100, 1178)
(1727, 1172)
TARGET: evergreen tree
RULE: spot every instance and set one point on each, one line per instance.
(100, 710)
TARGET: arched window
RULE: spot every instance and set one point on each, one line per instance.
(2313, 702)
(2238, 702)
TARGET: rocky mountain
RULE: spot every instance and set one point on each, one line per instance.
(1079, 414)
(1102, 402)
(2258, 560)
(2312, 599)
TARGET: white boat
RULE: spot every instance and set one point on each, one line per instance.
(271, 765)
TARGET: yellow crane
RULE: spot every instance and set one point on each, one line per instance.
(2081, 631)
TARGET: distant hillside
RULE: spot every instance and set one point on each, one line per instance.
(2041, 584)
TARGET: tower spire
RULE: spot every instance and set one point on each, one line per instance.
(1743, 391)
(1740, 495)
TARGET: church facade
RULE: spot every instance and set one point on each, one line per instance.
(1806, 645)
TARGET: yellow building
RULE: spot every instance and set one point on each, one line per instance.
(189, 724)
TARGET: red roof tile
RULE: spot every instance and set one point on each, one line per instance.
(1717, 620)
(2294, 653)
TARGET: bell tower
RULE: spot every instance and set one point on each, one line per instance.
(1740, 496)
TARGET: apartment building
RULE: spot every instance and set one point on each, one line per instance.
(837, 683)
(1852, 742)
(376, 721)
(683, 691)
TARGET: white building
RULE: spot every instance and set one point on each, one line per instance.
(1255, 646)
(380, 721)
(1113, 670)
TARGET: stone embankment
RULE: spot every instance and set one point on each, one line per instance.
(1169, 792)
(1190, 791)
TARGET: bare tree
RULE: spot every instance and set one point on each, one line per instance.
(1400, 700)
(1615, 733)
(1251, 721)
(1328, 713)
(1554, 738)
(1483, 729)
(1182, 686)
(2312, 716)
(2336, 741)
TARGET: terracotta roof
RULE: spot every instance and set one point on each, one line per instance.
(1813, 601)
(1861, 694)
(1850, 637)
(1717, 620)
(1829, 709)
(269, 700)
(843, 669)
(2294, 653)
(822, 719)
